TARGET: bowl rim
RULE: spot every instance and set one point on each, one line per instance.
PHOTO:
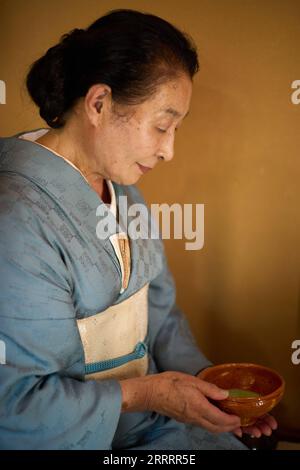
(280, 389)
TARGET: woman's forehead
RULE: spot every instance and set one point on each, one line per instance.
(172, 99)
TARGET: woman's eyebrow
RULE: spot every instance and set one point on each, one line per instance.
(174, 113)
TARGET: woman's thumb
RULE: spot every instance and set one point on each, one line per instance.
(212, 391)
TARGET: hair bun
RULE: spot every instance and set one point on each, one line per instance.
(46, 81)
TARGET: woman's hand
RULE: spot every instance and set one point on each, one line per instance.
(264, 426)
(186, 399)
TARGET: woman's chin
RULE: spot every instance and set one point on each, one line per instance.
(127, 180)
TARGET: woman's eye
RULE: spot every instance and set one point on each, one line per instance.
(161, 130)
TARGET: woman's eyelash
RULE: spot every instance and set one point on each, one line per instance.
(165, 130)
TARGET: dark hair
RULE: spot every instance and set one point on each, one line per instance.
(130, 51)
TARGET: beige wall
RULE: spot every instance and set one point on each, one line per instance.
(237, 153)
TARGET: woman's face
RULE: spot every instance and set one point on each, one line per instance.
(124, 148)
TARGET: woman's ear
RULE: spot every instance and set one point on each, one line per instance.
(99, 105)
(94, 101)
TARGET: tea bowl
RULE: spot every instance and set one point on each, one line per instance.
(264, 383)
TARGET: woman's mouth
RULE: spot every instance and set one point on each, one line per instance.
(143, 168)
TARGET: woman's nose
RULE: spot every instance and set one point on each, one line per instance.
(166, 152)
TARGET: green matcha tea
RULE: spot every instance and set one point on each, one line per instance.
(239, 393)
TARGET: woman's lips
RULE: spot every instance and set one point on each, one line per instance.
(144, 169)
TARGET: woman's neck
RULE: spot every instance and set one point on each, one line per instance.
(64, 146)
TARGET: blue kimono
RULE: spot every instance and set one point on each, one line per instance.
(55, 271)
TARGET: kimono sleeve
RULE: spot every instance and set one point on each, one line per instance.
(170, 339)
(44, 401)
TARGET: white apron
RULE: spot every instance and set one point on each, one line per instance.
(114, 340)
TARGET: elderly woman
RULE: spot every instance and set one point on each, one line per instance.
(98, 354)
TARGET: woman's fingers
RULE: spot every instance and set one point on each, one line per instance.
(264, 426)
(222, 421)
(218, 418)
(238, 432)
(214, 428)
(271, 421)
(253, 431)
